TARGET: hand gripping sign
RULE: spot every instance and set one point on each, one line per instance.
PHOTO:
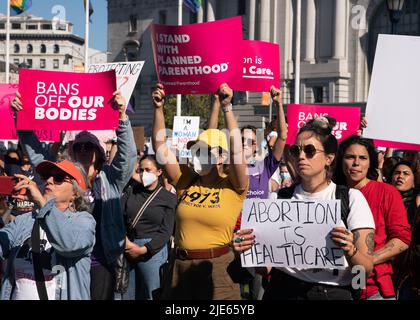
(197, 58)
(67, 100)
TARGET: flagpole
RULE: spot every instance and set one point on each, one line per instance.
(297, 58)
(178, 96)
(86, 35)
(8, 42)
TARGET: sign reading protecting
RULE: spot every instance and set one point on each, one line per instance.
(292, 233)
(67, 100)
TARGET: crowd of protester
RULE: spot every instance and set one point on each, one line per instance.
(89, 219)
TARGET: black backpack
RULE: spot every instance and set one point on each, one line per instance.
(341, 193)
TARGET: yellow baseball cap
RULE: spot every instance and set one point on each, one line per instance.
(213, 138)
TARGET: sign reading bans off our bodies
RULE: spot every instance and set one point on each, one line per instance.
(67, 100)
(198, 58)
(292, 233)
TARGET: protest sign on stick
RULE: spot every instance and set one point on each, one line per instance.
(393, 104)
(67, 100)
(348, 119)
(292, 233)
(7, 127)
(198, 58)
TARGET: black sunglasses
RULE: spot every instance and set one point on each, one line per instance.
(309, 150)
(58, 178)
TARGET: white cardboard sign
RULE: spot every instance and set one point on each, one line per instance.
(185, 129)
(393, 107)
(292, 233)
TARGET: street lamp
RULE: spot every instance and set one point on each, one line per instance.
(395, 12)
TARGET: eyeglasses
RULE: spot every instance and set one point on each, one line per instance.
(84, 146)
(58, 178)
(309, 150)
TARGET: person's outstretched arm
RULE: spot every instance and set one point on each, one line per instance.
(278, 148)
(163, 154)
(214, 113)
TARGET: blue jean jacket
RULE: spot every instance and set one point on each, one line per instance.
(72, 236)
(113, 179)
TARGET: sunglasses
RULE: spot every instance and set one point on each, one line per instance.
(309, 150)
(58, 178)
(84, 146)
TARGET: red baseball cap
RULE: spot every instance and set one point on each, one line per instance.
(45, 167)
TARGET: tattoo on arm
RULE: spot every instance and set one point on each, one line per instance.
(356, 236)
(370, 242)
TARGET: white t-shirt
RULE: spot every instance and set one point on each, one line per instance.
(360, 216)
(25, 275)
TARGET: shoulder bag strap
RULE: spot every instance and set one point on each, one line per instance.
(144, 207)
(36, 252)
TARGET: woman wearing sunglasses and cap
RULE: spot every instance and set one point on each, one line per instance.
(312, 156)
(48, 251)
(357, 164)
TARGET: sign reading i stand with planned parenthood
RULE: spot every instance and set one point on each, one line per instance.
(198, 58)
(292, 233)
(67, 100)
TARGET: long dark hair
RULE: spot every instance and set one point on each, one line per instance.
(372, 174)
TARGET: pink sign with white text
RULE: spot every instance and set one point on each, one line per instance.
(198, 58)
(396, 145)
(261, 66)
(7, 127)
(67, 100)
(348, 119)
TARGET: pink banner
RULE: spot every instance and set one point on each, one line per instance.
(396, 145)
(198, 58)
(261, 66)
(348, 119)
(67, 100)
(7, 128)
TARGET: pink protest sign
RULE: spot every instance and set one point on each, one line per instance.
(261, 66)
(396, 145)
(7, 128)
(67, 100)
(348, 119)
(198, 58)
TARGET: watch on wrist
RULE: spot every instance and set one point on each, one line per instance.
(227, 108)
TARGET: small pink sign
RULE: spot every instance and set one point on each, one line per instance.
(67, 100)
(7, 128)
(198, 58)
(261, 66)
(348, 119)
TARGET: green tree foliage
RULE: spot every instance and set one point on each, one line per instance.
(192, 105)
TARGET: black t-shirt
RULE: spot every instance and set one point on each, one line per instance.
(22, 207)
(157, 221)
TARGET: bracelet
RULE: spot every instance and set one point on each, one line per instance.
(354, 253)
(227, 108)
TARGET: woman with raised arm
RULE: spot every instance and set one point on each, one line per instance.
(209, 203)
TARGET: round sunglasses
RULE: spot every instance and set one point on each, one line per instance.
(309, 150)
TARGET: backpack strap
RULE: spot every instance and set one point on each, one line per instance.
(36, 260)
(342, 193)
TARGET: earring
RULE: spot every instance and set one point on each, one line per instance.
(72, 207)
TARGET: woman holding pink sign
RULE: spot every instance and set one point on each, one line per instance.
(210, 201)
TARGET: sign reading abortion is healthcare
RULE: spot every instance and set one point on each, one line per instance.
(66, 100)
(198, 58)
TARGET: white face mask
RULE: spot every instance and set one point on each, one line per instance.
(199, 168)
(148, 178)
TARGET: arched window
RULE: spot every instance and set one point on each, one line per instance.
(381, 24)
(56, 48)
(29, 48)
(43, 48)
(16, 48)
